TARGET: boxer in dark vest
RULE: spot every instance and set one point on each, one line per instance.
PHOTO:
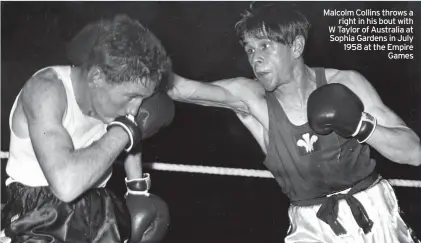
(316, 126)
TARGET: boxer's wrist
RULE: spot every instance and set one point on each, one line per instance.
(365, 128)
(138, 186)
(119, 135)
(130, 127)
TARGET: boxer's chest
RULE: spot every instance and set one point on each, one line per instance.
(297, 116)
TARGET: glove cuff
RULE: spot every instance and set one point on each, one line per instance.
(130, 126)
(139, 186)
(365, 128)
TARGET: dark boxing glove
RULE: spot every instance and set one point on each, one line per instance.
(149, 214)
(334, 107)
(155, 113)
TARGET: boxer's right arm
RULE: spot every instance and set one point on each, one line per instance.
(242, 95)
(68, 171)
(232, 93)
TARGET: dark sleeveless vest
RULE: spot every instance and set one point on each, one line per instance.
(307, 165)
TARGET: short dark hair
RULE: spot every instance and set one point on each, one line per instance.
(123, 49)
(278, 22)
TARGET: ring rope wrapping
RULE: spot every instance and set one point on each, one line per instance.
(233, 171)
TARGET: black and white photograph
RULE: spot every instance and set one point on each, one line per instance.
(210, 121)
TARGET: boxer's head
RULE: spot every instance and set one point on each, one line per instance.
(123, 63)
(277, 22)
(273, 37)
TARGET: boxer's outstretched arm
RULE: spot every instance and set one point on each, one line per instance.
(237, 94)
(228, 93)
(391, 138)
(69, 172)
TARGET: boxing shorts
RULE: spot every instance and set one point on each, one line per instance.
(34, 214)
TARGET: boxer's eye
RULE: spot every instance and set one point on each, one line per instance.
(249, 51)
(129, 98)
(265, 46)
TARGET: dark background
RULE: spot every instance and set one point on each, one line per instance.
(201, 40)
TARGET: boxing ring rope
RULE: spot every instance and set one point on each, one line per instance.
(233, 171)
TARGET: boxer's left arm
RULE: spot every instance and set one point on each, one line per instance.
(149, 214)
(392, 137)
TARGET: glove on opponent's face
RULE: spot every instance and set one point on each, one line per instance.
(155, 113)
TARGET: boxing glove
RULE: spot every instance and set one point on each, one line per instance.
(334, 107)
(149, 214)
(155, 113)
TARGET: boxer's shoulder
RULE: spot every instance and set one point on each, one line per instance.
(47, 73)
(355, 81)
(42, 91)
(46, 80)
(246, 88)
(247, 95)
(350, 78)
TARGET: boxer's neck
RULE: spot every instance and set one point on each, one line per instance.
(81, 90)
(301, 83)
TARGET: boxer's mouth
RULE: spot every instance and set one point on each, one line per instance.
(261, 74)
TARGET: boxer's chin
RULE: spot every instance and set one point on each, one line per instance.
(270, 88)
(267, 83)
(104, 119)
(107, 120)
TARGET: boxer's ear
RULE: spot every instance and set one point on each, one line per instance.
(297, 46)
(96, 77)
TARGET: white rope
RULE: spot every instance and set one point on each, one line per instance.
(404, 183)
(245, 172)
(4, 155)
(209, 170)
(233, 171)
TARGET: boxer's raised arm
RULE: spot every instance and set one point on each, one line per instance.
(392, 137)
(227, 93)
(68, 171)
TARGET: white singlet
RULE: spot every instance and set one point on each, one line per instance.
(23, 165)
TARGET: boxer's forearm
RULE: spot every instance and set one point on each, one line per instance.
(391, 138)
(133, 166)
(206, 94)
(399, 144)
(187, 90)
(84, 167)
